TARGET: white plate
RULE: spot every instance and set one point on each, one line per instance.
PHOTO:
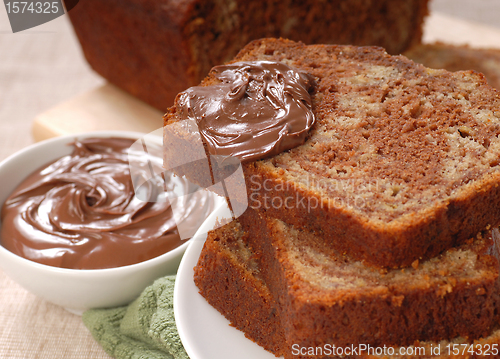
(204, 332)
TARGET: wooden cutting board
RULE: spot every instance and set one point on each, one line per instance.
(109, 108)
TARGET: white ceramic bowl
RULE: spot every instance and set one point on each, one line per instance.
(76, 290)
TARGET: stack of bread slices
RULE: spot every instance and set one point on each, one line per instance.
(381, 229)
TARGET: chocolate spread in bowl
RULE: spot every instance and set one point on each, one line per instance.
(81, 211)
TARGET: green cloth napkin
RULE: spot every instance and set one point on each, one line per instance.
(145, 329)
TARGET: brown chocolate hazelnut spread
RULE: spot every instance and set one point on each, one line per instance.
(82, 212)
(259, 109)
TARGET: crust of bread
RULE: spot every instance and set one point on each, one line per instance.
(155, 49)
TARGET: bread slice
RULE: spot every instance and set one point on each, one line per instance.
(402, 163)
(456, 58)
(326, 297)
(229, 277)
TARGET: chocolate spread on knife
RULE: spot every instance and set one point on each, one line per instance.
(259, 109)
(81, 211)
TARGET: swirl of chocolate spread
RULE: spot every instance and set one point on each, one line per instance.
(81, 211)
(259, 109)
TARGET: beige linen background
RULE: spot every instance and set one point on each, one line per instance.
(40, 68)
